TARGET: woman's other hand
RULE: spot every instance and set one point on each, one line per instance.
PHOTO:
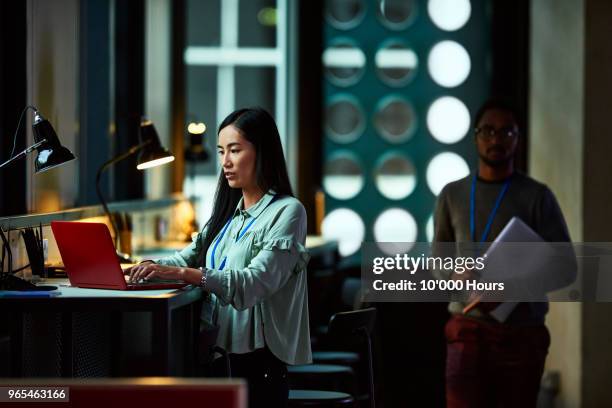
(128, 271)
(149, 270)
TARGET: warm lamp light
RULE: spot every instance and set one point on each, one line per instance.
(152, 153)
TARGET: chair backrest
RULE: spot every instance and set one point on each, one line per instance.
(353, 325)
(349, 323)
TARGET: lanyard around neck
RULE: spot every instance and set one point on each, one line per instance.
(238, 237)
(500, 197)
(212, 256)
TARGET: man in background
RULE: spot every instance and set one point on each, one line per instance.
(493, 364)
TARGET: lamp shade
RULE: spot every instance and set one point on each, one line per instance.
(152, 153)
(51, 153)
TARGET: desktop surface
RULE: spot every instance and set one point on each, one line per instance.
(70, 298)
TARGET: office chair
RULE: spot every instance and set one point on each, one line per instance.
(319, 399)
(346, 325)
(324, 377)
(343, 327)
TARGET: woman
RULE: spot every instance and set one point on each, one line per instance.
(250, 256)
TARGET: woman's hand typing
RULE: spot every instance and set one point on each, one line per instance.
(149, 270)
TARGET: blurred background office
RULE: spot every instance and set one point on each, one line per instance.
(373, 99)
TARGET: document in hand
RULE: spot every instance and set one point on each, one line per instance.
(511, 257)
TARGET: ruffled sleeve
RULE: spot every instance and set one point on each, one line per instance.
(290, 245)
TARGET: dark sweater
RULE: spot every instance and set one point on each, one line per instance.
(526, 198)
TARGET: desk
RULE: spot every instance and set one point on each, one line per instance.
(91, 314)
(163, 305)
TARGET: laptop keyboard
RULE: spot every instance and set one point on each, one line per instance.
(143, 282)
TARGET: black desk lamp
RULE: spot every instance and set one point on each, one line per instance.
(152, 154)
(51, 153)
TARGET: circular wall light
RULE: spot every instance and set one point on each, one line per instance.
(444, 168)
(342, 176)
(449, 15)
(449, 63)
(344, 62)
(346, 227)
(397, 227)
(395, 177)
(344, 119)
(344, 14)
(396, 63)
(448, 120)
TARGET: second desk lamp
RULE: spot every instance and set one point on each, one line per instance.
(152, 154)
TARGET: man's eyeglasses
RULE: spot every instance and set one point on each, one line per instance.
(489, 132)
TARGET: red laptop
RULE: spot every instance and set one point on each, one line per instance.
(90, 260)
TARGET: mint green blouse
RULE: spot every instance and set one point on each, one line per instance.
(260, 295)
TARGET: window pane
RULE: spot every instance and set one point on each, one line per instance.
(257, 23)
(255, 86)
(203, 22)
(202, 107)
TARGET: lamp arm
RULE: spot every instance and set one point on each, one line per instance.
(17, 130)
(23, 153)
(107, 164)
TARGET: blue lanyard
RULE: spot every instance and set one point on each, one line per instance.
(500, 197)
(212, 256)
(240, 235)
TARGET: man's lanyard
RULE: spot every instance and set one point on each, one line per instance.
(500, 197)
(240, 235)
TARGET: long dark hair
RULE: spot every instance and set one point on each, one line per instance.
(258, 127)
